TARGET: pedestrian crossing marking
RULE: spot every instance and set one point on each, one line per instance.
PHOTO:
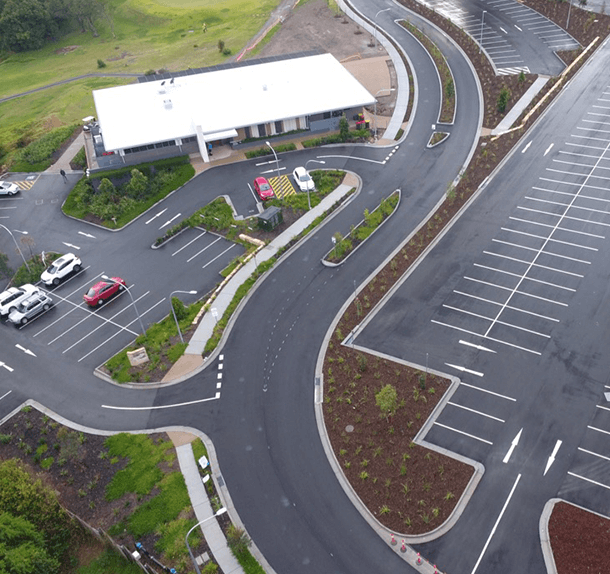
(282, 186)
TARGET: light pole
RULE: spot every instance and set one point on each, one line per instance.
(132, 301)
(277, 161)
(569, 9)
(186, 538)
(17, 246)
(482, 21)
(311, 161)
(171, 302)
(375, 116)
(380, 11)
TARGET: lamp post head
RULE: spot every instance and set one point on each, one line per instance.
(221, 511)
(192, 292)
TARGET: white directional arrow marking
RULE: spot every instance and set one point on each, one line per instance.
(479, 347)
(464, 370)
(6, 367)
(607, 395)
(70, 245)
(552, 457)
(26, 351)
(155, 216)
(526, 147)
(512, 447)
(87, 234)
(548, 149)
(170, 220)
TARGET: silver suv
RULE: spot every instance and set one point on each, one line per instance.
(32, 306)
(10, 299)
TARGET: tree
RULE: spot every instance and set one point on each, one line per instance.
(106, 187)
(5, 270)
(387, 400)
(343, 128)
(503, 99)
(22, 548)
(25, 25)
(137, 184)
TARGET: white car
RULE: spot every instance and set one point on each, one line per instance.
(10, 299)
(8, 188)
(303, 179)
(61, 268)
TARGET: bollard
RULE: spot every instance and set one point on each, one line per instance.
(418, 559)
(435, 570)
(403, 548)
(393, 541)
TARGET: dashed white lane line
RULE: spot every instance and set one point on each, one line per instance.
(463, 433)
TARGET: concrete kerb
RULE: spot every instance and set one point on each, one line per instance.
(402, 99)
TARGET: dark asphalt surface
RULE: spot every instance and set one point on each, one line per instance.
(263, 426)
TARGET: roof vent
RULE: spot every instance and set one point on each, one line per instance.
(167, 104)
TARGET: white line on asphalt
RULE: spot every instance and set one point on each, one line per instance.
(509, 230)
(524, 293)
(526, 147)
(463, 384)
(71, 246)
(485, 337)
(26, 351)
(513, 445)
(569, 194)
(265, 163)
(478, 347)
(573, 183)
(155, 216)
(502, 271)
(158, 407)
(503, 30)
(464, 370)
(594, 453)
(548, 149)
(571, 218)
(219, 255)
(559, 228)
(5, 394)
(520, 30)
(118, 332)
(588, 480)
(352, 157)
(86, 234)
(275, 170)
(170, 220)
(200, 252)
(603, 408)
(567, 205)
(555, 160)
(535, 265)
(475, 412)
(462, 432)
(511, 307)
(9, 369)
(8, 207)
(493, 530)
(552, 457)
(549, 253)
(192, 241)
(598, 430)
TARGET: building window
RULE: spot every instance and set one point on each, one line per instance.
(326, 115)
(262, 131)
(279, 128)
(248, 132)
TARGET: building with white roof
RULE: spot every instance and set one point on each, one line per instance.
(227, 103)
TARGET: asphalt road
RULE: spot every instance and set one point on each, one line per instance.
(263, 423)
(514, 300)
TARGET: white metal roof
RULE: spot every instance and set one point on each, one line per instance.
(222, 100)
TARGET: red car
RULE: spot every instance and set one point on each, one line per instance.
(103, 290)
(263, 189)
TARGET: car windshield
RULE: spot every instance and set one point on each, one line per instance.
(265, 187)
(91, 293)
(304, 177)
(52, 270)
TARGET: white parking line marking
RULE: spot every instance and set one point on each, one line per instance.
(550, 253)
(506, 397)
(493, 530)
(502, 271)
(219, 255)
(569, 194)
(588, 480)
(603, 408)
(598, 430)
(535, 265)
(192, 241)
(478, 347)
(513, 445)
(464, 370)
(559, 228)
(549, 238)
(568, 217)
(462, 432)
(594, 453)
(5, 395)
(524, 293)
(200, 252)
(475, 412)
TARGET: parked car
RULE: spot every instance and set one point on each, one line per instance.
(303, 179)
(103, 290)
(60, 269)
(8, 188)
(10, 299)
(28, 308)
(263, 188)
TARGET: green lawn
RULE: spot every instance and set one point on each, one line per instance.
(147, 35)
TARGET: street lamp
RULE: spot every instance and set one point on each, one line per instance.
(569, 9)
(132, 301)
(171, 302)
(375, 116)
(375, 29)
(311, 161)
(17, 246)
(186, 538)
(482, 21)
(277, 161)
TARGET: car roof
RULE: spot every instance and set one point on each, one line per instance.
(261, 180)
(9, 291)
(64, 258)
(300, 170)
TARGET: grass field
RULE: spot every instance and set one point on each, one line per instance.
(147, 35)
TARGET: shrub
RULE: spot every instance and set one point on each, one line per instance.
(221, 45)
(386, 400)
(503, 98)
(238, 540)
(36, 156)
(101, 63)
(80, 159)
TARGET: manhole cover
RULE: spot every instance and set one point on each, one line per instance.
(349, 428)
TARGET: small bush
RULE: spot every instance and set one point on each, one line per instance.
(101, 63)
(238, 540)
